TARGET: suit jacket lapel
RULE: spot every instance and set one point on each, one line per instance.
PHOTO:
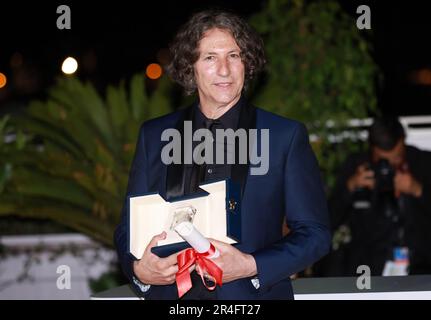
(175, 173)
(247, 121)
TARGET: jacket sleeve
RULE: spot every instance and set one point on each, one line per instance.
(137, 185)
(306, 215)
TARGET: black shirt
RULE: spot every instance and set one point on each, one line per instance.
(196, 174)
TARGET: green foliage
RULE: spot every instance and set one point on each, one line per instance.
(320, 69)
(72, 153)
(109, 279)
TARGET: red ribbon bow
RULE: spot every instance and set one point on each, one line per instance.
(189, 257)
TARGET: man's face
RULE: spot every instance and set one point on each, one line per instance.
(219, 70)
(395, 156)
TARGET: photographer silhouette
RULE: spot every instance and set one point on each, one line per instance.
(383, 197)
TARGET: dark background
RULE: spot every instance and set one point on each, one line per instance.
(113, 40)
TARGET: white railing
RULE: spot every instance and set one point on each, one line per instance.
(31, 266)
(419, 137)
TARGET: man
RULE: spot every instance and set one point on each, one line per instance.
(384, 197)
(216, 54)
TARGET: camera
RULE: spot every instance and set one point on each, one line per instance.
(384, 197)
(384, 175)
(381, 199)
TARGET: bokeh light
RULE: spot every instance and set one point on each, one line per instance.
(154, 71)
(69, 66)
(3, 80)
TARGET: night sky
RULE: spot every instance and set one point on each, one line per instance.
(113, 40)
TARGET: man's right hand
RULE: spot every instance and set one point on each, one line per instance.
(154, 270)
(363, 178)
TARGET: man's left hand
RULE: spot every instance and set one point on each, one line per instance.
(404, 182)
(234, 263)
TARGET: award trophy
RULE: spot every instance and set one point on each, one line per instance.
(213, 213)
(182, 223)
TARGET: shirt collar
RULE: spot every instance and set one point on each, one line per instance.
(229, 120)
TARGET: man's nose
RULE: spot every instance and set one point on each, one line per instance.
(223, 68)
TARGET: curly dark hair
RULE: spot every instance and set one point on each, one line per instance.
(184, 48)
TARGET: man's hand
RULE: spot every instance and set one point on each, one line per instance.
(404, 182)
(363, 178)
(154, 270)
(234, 263)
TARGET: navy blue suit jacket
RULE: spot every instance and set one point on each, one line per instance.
(291, 189)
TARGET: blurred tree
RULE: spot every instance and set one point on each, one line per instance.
(71, 154)
(320, 69)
